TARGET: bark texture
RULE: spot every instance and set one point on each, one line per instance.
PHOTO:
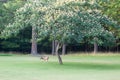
(95, 46)
(34, 42)
(64, 49)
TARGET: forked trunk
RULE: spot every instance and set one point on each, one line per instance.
(34, 42)
(56, 51)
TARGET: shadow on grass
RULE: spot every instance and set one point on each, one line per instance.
(75, 66)
(92, 66)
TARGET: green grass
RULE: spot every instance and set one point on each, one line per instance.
(75, 67)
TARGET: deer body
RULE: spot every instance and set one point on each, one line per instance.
(45, 58)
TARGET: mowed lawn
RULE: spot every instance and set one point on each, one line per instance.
(75, 67)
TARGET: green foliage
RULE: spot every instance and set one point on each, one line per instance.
(30, 14)
(63, 20)
(112, 9)
(9, 45)
(7, 12)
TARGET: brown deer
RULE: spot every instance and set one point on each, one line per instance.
(45, 58)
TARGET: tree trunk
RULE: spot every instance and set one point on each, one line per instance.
(56, 51)
(86, 46)
(63, 49)
(53, 47)
(34, 42)
(109, 49)
(95, 47)
(117, 48)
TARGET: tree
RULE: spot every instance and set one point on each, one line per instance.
(112, 9)
(101, 34)
(28, 15)
(7, 10)
(92, 24)
(62, 21)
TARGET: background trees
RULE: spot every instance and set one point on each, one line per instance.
(64, 22)
(7, 11)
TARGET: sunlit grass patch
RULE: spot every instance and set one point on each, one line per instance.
(4, 54)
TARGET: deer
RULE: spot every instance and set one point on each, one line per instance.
(45, 58)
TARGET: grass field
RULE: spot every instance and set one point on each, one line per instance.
(75, 67)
